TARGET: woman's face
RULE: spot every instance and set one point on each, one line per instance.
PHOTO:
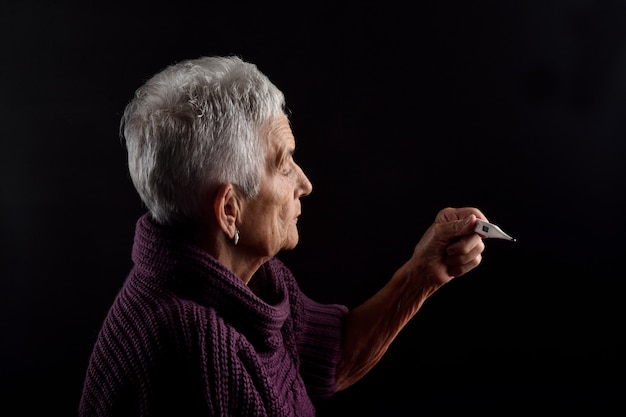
(269, 221)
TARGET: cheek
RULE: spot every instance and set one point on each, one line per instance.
(274, 217)
(277, 208)
(283, 207)
(285, 215)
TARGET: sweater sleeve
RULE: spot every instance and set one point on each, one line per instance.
(318, 344)
(318, 331)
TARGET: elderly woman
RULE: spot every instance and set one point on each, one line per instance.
(209, 322)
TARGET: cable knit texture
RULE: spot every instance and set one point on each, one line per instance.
(186, 337)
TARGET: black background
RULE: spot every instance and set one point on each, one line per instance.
(399, 110)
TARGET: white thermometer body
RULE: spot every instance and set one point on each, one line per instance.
(487, 229)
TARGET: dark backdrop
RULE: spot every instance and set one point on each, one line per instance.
(516, 108)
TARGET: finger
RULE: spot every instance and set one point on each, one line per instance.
(451, 214)
(464, 255)
(466, 244)
(458, 270)
(463, 258)
(450, 231)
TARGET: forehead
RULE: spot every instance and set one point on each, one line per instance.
(278, 135)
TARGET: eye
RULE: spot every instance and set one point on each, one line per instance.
(287, 167)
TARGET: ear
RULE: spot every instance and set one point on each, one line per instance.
(227, 209)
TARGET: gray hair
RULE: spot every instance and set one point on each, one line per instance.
(194, 126)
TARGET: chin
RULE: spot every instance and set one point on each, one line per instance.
(291, 243)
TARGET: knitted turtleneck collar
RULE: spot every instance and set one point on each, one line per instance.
(163, 258)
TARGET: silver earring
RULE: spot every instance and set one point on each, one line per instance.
(236, 238)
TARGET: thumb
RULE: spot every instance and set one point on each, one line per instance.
(450, 231)
(464, 226)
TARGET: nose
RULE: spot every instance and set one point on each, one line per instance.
(305, 184)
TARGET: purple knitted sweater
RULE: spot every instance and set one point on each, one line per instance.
(186, 337)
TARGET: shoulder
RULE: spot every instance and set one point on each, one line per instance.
(157, 316)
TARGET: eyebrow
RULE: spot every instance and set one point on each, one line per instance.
(283, 154)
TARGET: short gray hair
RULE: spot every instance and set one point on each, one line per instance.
(194, 126)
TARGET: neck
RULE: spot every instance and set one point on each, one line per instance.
(237, 258)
